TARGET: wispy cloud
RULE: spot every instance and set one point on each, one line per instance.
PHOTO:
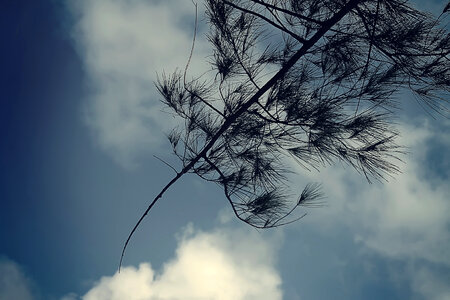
(429, 284)
(123, 44)
(408, 217)
(221, 264)
(14, 284)
(405, 219)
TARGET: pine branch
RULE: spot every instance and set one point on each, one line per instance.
(288, 12)
(282, 28)
(308, 44)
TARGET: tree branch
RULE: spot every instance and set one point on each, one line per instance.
(245, 106)
(288, 12)
(282, 28)
(187, 66)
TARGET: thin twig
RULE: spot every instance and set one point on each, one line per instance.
(167, 164)
(187, 66)
(293, 34)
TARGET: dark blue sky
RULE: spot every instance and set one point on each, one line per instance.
(67, 204)
(43, 145)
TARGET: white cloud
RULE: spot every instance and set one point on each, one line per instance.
(408, 217)
(219, 265)
(405, 219)
(123, 44)
(13, 282)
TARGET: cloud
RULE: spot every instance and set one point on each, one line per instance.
(428, 284)
(222, 264)
(70, 296)
(405, 219)
(409, 215)
(122, 45)
(434, 7)
(13, 282)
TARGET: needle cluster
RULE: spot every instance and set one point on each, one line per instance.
(334, 103)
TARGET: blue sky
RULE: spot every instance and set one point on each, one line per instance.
(80, 122)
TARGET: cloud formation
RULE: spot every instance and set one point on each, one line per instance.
(220, 265)
(410, 213)
(427, 283)
(122, 45)
(405, 219)
(13, 282)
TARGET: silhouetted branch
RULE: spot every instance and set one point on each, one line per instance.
(282, 28)
(288, 12)
(337, 66)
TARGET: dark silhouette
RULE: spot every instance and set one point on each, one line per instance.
(314, 80)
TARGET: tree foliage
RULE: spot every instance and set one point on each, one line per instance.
(313, 80)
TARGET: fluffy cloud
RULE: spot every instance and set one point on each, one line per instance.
(218, 265)
(123, 44)
(13, 282)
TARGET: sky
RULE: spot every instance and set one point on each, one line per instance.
(80, 121)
